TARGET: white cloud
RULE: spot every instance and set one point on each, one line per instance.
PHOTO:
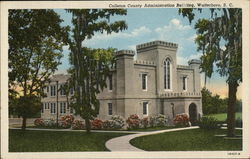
(192, 38)
(184, 60)
(141, 31)
(132, 47)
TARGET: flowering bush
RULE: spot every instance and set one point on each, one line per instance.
(39, 122)
(145, 122)
(116, 122)
(133, 121)
(108, 124)
(96, 124)
(50, 123)
(68, 118)
(78, 125)
(158, 121)
(181, 120)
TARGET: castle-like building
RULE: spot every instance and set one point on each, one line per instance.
(150, 85)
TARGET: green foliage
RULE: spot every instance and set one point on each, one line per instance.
(28, 105)
(212, 104)
(188, 140)
(56, 141)
(90, 67)
(208, 123)
(35, 39)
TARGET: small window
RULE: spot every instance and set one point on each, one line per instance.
(47, 89)
(184, 83)
(144, 81)
(110, 109)
(145, 108)
(173, 110)
(110, 83)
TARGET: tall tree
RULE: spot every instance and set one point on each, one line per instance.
(223, 29)
(35, 48)
(90, 67)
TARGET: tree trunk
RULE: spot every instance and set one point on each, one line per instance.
(24, 123)
(232, 86)
(88, 126)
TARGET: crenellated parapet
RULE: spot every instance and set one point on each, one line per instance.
(180, 94)
(157, 43)
(184, 67)
(125, 52)
(142, 62)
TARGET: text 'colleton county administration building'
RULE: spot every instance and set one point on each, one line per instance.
(150, 85)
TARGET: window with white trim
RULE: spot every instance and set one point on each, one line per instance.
(52, 108)
(110, 109)
(144, 81)
(53, 90)
(63, 107)
(184, 83)
(167, 74)
(62, 90)
(145, 108)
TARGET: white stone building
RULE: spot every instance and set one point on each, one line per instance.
(152, 84)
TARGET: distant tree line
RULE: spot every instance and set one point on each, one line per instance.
(214, 104)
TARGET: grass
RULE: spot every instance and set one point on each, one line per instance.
(188, 140)
(223, 116)
(51, 141)
(153, 128)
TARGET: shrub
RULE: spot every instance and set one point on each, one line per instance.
(118, 121)
(209, 123)
(182, 120)
(133, 121)
(109, 124)
(238, 123)
(68, 118)
(39, 122)
(145, 122)
(78, 125)
(50, 123)
(158, 121)
(96, 124)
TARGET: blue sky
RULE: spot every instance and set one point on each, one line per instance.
(146, 25)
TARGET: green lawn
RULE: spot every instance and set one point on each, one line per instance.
(51, 141)
(223, 116)
(188, 140)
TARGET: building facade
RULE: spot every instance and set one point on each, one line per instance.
(150, 85)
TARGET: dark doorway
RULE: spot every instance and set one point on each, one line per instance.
(193, 113)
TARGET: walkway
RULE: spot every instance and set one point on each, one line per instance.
(122, 143)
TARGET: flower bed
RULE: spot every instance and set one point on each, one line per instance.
(182, 120)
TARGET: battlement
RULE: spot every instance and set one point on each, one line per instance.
(125, 52)
(157, 43)
(194, 61)
(142, 62)
(183, 67)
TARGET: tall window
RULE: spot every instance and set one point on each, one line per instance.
(71, 91)
(62, 91)
(184, 83)
(110, 109)
(52, 108)
(53, 90)
(110, 83)
(144, 81)
(63, 107)
(167, 74)
(145, 108)
(43, 107)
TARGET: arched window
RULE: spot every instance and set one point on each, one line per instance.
(167, 74)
